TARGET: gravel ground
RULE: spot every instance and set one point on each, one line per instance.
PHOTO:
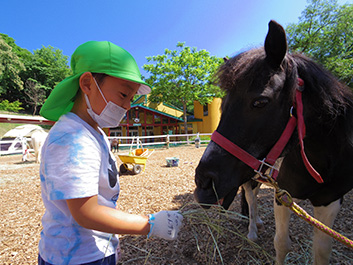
(211, 237)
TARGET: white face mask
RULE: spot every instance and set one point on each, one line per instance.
(110, 116)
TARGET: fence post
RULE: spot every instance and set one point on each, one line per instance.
(197, 140)
(167, 141)
(24, 148)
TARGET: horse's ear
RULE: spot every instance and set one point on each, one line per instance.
(275, 44)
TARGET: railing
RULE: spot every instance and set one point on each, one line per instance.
(160, 140)
(20, 144)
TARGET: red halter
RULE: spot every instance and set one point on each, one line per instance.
(269, 161)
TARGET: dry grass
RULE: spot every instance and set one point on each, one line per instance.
(207, 237)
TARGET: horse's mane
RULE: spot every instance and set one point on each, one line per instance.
(239, 67)
(329, 99)
(328, 96)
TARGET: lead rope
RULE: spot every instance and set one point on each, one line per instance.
(286, 199)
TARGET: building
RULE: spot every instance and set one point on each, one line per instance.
(146, 119)
(207, 116)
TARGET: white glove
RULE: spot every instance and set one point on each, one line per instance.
(165, 224)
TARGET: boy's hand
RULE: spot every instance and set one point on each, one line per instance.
(165, 224)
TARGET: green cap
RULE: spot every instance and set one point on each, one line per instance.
(96, 57)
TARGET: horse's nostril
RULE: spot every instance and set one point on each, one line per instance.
(204, 180)
(205, 183)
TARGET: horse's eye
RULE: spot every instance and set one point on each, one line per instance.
(260, 103)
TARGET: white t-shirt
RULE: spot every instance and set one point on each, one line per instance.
(76, 163)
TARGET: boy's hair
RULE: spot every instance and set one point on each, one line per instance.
(99, 78)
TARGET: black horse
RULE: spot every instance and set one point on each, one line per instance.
(262, 87)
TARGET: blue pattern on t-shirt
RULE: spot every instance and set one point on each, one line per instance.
(75, 164)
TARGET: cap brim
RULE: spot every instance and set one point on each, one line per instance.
(144, 90)
(144, 87)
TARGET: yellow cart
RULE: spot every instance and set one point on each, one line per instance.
(134, 160)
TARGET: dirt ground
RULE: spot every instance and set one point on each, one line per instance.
(211, 237)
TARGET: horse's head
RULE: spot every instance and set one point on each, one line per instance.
(259, 94)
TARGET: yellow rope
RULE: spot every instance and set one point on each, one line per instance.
(286, 199)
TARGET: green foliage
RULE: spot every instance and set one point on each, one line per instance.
(10, 106)
(325, 33)
(181, 76)
(23, 54)
(50, 66)
(5, 127)
(202, 138)
(46, 66)
(10, 67)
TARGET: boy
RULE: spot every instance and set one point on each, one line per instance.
(79, 176)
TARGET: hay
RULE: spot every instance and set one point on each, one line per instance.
(221, 225)
(207, 237)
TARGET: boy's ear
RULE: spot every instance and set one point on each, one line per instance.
(85, 82)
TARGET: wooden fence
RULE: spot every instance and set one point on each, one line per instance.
(161, 141)
(20, 144)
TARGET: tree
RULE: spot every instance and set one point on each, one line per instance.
(23, 54)
(48, 66)
(10, 67)
(182, 76)
(325, 33)
(35, 94)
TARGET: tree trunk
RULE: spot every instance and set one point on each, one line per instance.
(34, 109)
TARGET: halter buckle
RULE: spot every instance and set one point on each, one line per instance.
(265, 173)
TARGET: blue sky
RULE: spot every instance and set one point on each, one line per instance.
(146, 28)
